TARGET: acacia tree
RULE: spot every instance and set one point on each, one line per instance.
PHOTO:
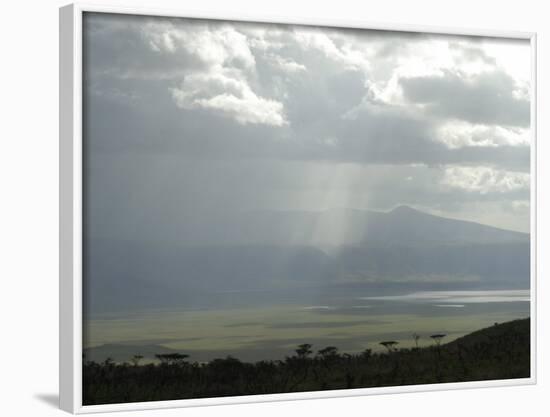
(328, 353)
(298, 366)
(366, 354)
(390, 345)
(135, 359)
(416, 337)
(437, 338)
(172, 358)
(304, 351)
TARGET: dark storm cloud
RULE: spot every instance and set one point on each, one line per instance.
(116, 47)
(130, 106)
(387, 138)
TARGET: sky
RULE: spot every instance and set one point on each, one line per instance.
(184, 119)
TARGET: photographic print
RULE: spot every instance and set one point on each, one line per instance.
(278, 208)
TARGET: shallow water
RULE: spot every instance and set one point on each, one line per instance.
(467, 297)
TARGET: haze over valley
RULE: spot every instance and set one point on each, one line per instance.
(264, 254)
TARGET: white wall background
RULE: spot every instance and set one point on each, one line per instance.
(29, 193)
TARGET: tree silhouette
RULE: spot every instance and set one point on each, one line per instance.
(389, 344)
(135, 359)
(416, 337)
(330, 352)
(437, 338)
(304, 351)
(366, 354)
(172, 358)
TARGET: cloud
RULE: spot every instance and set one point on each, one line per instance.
(345, 54)
(487, 98)
(215, 45)
(472, 53)
(459, 134)
(484, 180)
(287, 65)
(224, 85)
(231, 96)
(387, 118)
(211, 66)
(472, 58)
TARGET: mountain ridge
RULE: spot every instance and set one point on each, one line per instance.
(344, 226)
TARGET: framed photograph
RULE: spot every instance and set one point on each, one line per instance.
(257, 209)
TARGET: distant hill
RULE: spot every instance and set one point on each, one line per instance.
(336, 227)
(405, 225)
(512, 335)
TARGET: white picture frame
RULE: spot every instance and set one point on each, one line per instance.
(70, 284)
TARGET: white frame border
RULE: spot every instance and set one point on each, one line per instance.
(70, 208)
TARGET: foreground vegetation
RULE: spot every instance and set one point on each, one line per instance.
(499, 352)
